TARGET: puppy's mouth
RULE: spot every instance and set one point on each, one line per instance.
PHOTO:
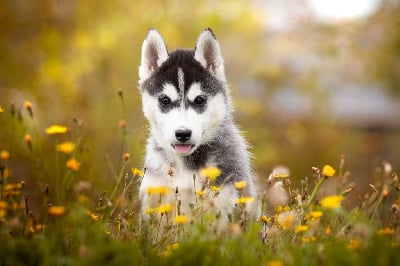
(183, 148)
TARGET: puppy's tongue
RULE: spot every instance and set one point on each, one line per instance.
(182, 148)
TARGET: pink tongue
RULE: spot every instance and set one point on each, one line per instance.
(182, 148)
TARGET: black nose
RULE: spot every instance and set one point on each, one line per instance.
(183, 135)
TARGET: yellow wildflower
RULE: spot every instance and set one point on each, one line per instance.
(164, 208)
(200, 192)
(4, 155)
(331, 202)
(73, 164)
(265, 219)
(279, 209)
(386, 231)
(240, 185)
(244, 200)
(56, 129)
(210, 172)
(301, 228)
(56, 210)
(314, 215)
(181, 219)
(66, 147)
(1, 109)
(215, 188)
(286, 220)
(93, 216)
(274, 263)
(149, 211)
(161, 190)
(328, 171)
(137, 172)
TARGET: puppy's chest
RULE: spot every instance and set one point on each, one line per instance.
(181, 182)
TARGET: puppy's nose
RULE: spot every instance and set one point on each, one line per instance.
(183, 134)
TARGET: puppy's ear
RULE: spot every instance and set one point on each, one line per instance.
(208, 53)
(154, 53)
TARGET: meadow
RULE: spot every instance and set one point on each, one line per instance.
(62, 218)
(305, 91)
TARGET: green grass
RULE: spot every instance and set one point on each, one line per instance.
(57, 213)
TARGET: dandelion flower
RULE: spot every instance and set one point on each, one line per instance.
(66, 147)
(4, 155)
(181, 219)
(240, 185)
(56, 129)
(328, 171)
(73, 164)
(164, 208)
(137, 172)
(56, 210)
(331, 202)
(210, 172)
(161, 190)
(301, 228)
(244, 200)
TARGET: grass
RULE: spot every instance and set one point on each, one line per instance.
(61, 218)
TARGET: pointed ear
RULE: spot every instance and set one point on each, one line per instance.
(154, 53)
(208, 53)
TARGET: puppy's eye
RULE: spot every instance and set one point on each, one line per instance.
(165, 100)
(200, 100)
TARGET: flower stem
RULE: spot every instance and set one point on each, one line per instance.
(316, 188)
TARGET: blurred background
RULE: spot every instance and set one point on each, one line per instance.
(311, 79)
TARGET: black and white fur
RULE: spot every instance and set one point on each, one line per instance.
(187, 103)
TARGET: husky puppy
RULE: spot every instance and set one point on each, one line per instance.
(186, 100)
